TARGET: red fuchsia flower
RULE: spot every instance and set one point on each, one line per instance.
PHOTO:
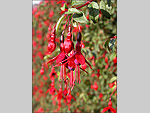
(109, 108)
(59, 97)
(52, 74)
(52, 45)
(51, 13)
(95, 86)
(77, 57)
(61, 55)
(69, 97)
(52, 89)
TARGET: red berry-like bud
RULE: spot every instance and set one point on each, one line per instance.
(51, 46)
(68, 45)
(106, 59)
(42, 71)
(110, 103)
(115, 60)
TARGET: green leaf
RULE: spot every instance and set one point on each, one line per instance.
(102, 5)
(80, 18)
(105, 13)
(77, 2)
(59, 22)
(105, 10)
(112, 56)
(73, 10)
(113, 79)
(106, 43)
(93, 11)
(64, 7)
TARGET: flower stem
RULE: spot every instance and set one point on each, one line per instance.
(88, 2)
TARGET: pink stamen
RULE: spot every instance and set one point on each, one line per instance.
(78, 74)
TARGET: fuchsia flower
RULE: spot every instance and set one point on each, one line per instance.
(69, 97)
(61, 56)
(52, 74)
(109, 108)
(77, 57)
(52, 89)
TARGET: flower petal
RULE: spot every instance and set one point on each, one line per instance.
(60, 57)
(80, 58)
(105, 109)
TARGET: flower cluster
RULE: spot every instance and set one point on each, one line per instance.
(63, 78)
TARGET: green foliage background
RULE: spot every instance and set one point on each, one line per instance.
(96, 38)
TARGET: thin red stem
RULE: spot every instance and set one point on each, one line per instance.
(65, 25)
(88, 2)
